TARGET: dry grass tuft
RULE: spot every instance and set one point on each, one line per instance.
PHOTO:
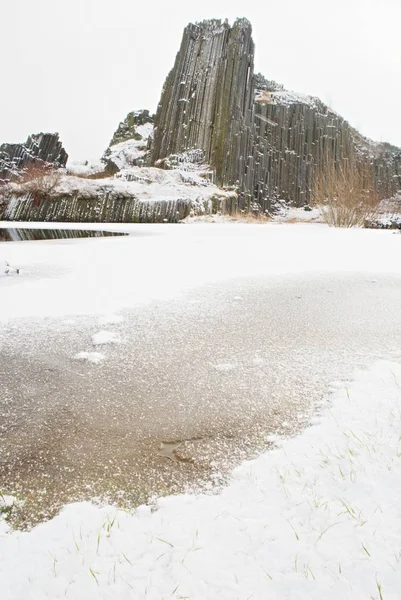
(251, 216)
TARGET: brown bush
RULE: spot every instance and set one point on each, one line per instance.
(346, 192)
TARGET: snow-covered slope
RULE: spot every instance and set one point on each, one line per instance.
(146, 184)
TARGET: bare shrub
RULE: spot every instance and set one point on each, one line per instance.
(40, 179)
(347, 192)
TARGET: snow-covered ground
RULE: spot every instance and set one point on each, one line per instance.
(93, 276)
(146, 184)
(388, 215)
(300, 215)
(318, 517)
(85, 168)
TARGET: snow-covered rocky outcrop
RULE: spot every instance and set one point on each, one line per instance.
(134, 194)
(41, 150)
(130, 142)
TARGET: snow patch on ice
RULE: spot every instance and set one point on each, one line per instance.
(257, 361)
(104, 276)
(273, 438)
(92, 357)
(105, 337)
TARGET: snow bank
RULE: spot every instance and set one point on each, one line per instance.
(317, 517)
(85, 168)
(104, 337)
(295, 215)
(91, 357)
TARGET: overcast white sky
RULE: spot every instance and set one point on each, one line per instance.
(79, 66)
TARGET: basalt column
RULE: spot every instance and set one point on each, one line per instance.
(208, 96)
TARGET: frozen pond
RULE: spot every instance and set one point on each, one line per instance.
(159, 396)
(178, 393)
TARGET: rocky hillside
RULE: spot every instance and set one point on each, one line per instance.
(267, 142)
(232, 139)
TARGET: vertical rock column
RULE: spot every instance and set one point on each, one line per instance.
(208, 96)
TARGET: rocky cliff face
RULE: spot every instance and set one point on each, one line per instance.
(39, 149)
(267, 142)
(207, 98)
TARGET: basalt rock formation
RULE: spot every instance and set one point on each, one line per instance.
(217, 122)
(39, 149)
(265, 141)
